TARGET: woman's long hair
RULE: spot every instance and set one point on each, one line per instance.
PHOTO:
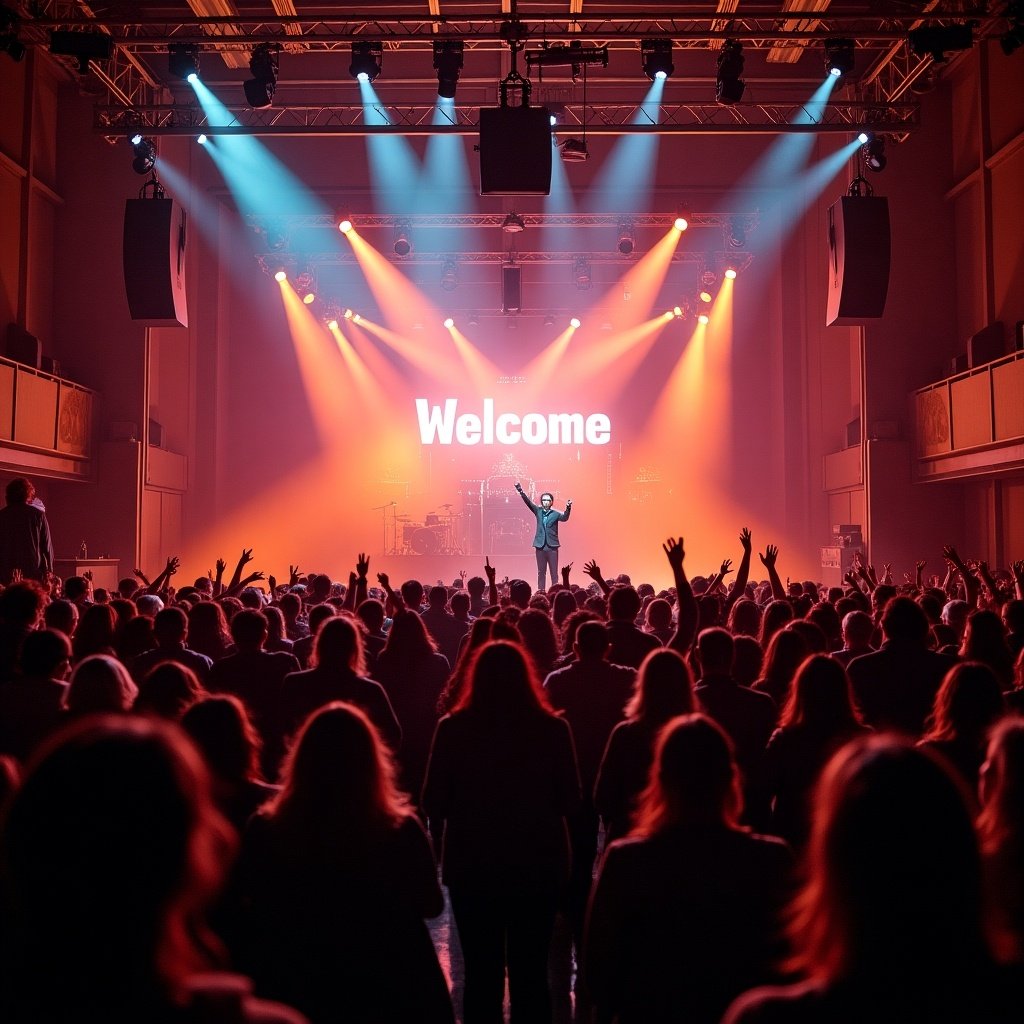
(893, 883)
(338, 776)
(208, 631)
(339, 646)
(110, 851)
(967, 704)
(502, 683)
(985, 641)
(821, 698)
(408, 639)
(100, 684)
(663, 689)
(786, 652)
(539, 639)
(96, 632)
(479, 634)
(694, 780)
(221, 729)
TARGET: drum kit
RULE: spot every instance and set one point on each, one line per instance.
(438, 534)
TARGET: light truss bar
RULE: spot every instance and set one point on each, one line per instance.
(495, 220)
(271, 260)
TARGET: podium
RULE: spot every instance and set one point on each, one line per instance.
(105, 571)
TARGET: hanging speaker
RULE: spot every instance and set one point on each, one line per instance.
(515, 151)
(511, 289)
(858, 259)
(154, 261)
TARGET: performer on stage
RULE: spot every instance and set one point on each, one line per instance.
(545, 540)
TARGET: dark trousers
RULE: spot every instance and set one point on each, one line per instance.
(505, 923)
(547, 558)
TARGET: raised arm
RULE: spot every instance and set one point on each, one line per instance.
(392, 596)
(491, 572)
(742, 575)
(568, 508)
(970, 580)
(686, 626)
(522, 494)
(768, 560)
(593, 570)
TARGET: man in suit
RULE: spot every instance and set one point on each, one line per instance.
(545, 540)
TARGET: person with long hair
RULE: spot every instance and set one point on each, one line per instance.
(502, 778)
(786, 652)
(1001, 827)
(817, 719)
(985, 641)
(413, 673)
(110, 852)
(889, 925)
(663, 690)
(539, 640)
(100, 684)
(96, 632)
(338, 876)
(685, 912)
(208, 630)
(969, 702)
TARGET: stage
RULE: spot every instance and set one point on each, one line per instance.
(444, 569)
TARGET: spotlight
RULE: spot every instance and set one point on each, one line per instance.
(627, 240)
(656, 57)
(473, 320)
(183, 61)
(332, 324)
(936, 40)
(280, 276)
(259, 90)
(736, 233)
(730, 273)
(9, 41)
(682, 222)
(873, 154)
(863, 138)
(277, 237)
(709, 279)
(704, 295)
(703, 318)
(449, 322)
(402, 245)
(449, 275)
(448, 65)
(838, 56)
(513, 224)
(356, 318)
(574, 150)
(348, 314)
(86, 46)
(549, 321)
(145, 154)
(309, 297)
(366, 60)
(678, 312)
(305, 284)
(574, 56)
(728, 85)
(581, 274)
(344, 224)
(575, 323)
(202, 139)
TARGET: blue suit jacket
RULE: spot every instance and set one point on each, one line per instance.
(547, 522)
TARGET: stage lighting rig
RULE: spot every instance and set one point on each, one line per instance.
(656, 57)
(574, 150)
(574, 55)
(448, 59)
(736, 233)
(9, 41)
(582, 275)
(183, 61)
(449, 275)
(1013, 38)
(85, 46)
(937, 40)
(839, 56)
(513, 224)
(873, 153)
(728, 85)
(627, 238)
(402, 244)
(366, 60)
(259, 90)
(144, 151)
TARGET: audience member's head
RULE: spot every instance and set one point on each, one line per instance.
(222, 731)
(412, 594)
(46, 654)
(100, 684)
(903, 621)
(716, 651)
(168, 691)
(969, 701)
(519, 592)
(623, 604)
(96, 632)
(745, 618)
(76, 588)
(170, 627)
(502, 683)
(748, 660)
(775, 616)
(149, 605)
(857, 631)
(408, 638)
(591, 641)
(21, 604)
(19, 491)
(339, 646)
(63, 615)
(820, 698)
(371, 614)
(663, 688)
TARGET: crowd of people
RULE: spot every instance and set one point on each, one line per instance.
(244, 799)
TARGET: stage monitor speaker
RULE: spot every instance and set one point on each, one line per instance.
(987, 345)
(515, 151)
(154, 261)
(511, 289)
(858, 259)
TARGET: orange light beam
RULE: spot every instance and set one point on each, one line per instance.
(423, 357)
(642, 283)
(482, 371)
(543, 365)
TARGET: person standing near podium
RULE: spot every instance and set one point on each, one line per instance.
(545, 540)
(24, 534)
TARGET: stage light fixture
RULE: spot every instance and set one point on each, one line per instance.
(736, 232)
(938, 40)
(366, 60)
(549, 320)
(449, 275)
(85, 46)
(144, 154)
(332, 324)
(305, 284)
(704, 295)
(344, 224)
(873, 154)
(839, 56)
(280, 275)
(574, 55)
(574, 150)
(678, 312)
(449, 322)
(473, 320)
(183, 61)
(730, 273)
(263, 64)
(402, 244)
(627, 239)
(729, 85)
(356, 318)
(863, 138)
(513, 224)
(703, 318)
(682, 221)
(202, 139)
(575, 323)
(656, 57)
(348, 314)
(581, 273)
(9, 41)
(448, 58)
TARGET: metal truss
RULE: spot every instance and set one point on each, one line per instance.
(599, 118)
(748, 219)
(273, 261)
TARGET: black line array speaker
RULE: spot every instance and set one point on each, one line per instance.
(515, 151)
(154, 261)
(511, 289)
(858, 259)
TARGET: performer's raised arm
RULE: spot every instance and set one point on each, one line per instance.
(522, 494)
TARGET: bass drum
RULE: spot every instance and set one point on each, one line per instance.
(425, 542)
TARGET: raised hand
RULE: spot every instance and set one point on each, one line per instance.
(293, 575)
(726, 567)
(363, 564)
(139, 574)
(745, 540)
(172, 565)
(593, 570)
(462, 575)
(920, 565)
(272, 580)
(770, 556)
(383, 580)
(490, 570)
(87, 575)
(950, 554)
(887, 573)
(221, 566)
(351, 580)
(566, 569)
(17, 576)
(674, 552)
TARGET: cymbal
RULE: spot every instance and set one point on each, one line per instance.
(402, 519)
(447, 504)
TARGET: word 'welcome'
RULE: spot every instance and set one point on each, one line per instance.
(446, 426)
